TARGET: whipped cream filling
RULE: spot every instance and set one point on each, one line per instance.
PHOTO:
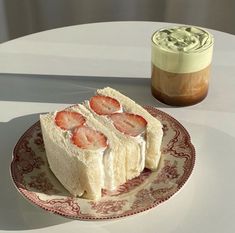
(142, 144)
(108, 174)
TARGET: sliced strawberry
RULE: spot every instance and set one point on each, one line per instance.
(129, 123)
(87, 138)
(104, 105)
(68, 120)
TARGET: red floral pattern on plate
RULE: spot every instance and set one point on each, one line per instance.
(168, 172)
(129, 185)
(107, 207)
(41, 183)
(34, 179)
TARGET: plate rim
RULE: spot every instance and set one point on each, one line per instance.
(119, 216)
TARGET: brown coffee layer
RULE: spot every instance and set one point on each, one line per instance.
(180, 89)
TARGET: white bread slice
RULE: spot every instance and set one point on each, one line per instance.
(154, 132)
(83, 172)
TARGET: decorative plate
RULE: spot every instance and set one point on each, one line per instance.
(35, 181)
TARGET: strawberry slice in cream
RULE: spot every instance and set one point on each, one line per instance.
(104, 105)
(88, 138)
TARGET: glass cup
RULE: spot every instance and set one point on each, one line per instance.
(181, 62)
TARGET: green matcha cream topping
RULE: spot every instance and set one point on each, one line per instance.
(182, 49)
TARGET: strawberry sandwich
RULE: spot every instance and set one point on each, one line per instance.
(101, 143)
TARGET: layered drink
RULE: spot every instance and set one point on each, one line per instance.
(181, 61)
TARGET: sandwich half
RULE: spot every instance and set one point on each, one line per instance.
(130, 120)
(82, 153)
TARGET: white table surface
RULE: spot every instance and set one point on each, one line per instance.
(70, 63)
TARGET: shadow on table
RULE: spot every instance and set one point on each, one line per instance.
(71, 89)
(15, 212)
(75, 89)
